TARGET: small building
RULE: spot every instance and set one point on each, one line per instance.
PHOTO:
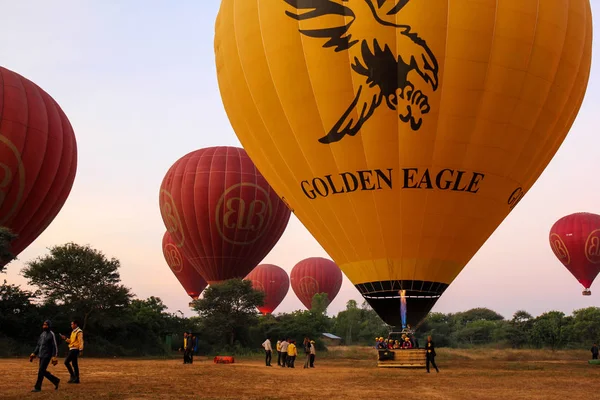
(330, 339)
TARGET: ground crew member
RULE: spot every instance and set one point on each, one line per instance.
(431, 354)
(75, 343)
(268, 351)
(292, 352)
(595, 352)
(284, 348)
(278, 348)
(313, 352)
(47, 351)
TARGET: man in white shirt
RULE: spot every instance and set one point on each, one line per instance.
(284, 347)
(268, 351)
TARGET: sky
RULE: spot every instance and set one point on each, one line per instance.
(137, 80)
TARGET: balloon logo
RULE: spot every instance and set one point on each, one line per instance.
(402, 132)
(239, 222)
(191, 281)
(170, 216)
(173, 257)
(257, 285)
(8, 176)
(397, 80)
(560, 249)
(307, 288)
(592, 247)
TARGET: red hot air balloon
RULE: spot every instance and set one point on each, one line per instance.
(575, 240)
(315, 275)
(221, 211)
(272, 280)
(38, 158)
(184, 271)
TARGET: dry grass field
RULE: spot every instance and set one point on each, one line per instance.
(341, 374)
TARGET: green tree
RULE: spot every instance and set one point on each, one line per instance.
(17, 313)
(586, 325)
(6, 238)
(548, 330)
(228, 309)
(519, 329)
(347, 322)
(80, 278)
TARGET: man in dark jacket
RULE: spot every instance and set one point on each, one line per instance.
(595, 352)
(47, 351)
(431, 354)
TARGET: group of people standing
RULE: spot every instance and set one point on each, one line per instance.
(46, 351)
(287, 352)
(188, 347)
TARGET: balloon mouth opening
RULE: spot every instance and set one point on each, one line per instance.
(399, 303)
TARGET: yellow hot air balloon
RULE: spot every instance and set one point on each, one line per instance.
(402, 132)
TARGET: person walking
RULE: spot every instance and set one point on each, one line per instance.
(313, 352)
(47, 351)
(430, 346)
(307, 352)
(75, 343)
(268, 351)
(284, 348)
(278, 347)
(595, 351)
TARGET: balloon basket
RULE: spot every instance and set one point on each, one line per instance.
(402, 358)
(594, 362)
(587, 292)
(224, 360)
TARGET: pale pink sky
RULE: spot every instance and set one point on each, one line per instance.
(138, 82)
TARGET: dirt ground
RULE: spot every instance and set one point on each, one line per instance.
(463, 375)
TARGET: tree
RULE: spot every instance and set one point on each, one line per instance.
(17, 312)
(519, 329)
(229, 308)
(80, 278)
(6, 238)
(548, 330)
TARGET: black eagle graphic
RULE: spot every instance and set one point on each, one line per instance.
(385, 72)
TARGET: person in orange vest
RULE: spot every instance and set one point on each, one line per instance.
(292, 352)
(75, 343)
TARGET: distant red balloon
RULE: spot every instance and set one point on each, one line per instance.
(221, 211)
(193, 283)
(575, 240)
(272, 280)
(38, 158)
(315, 275)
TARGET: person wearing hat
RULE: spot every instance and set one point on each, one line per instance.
(75, 342)
(47, 351)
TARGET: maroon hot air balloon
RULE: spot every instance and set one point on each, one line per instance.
(575, 240)
(272, 280)
(184, 271)
(221, 211)
(315, 275)
(38, 158)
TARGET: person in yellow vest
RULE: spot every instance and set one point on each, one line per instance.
(292, 352)
(75, 343)
(278, 353)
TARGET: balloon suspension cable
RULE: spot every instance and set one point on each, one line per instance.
(402, 294)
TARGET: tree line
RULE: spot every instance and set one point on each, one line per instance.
(79, 282)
